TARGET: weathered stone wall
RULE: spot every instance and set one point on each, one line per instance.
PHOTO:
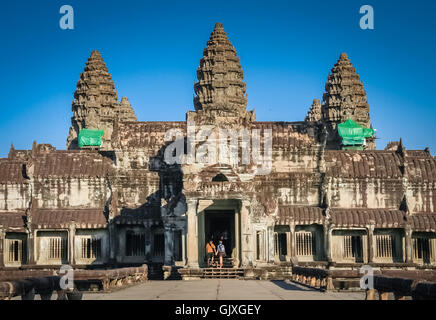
(14, 196)
(364, 193)
(63, 192)
(96, 234)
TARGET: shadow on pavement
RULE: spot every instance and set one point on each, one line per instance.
(289, 286)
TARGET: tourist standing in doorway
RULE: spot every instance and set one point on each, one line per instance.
(211, 252)
(221, 252)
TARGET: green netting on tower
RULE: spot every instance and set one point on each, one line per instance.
(353, 134)
(90, 137)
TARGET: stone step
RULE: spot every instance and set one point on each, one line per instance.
(227, 273)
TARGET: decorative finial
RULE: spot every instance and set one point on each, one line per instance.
(219, 25)
(11, 151)
(95, 53)
(401, 150)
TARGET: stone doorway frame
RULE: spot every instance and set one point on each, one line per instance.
(196, 228)
(208, 216)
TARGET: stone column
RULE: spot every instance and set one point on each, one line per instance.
(408, 244)
(328, 242)
(270, 244)
(184, 244)
(71, 238)
(2, 247)
(113, 242)
(276, 256)
(192, 234)
(147, 231)
(370, 243)
(31, 247)
(247, 240)
(291, 240)
(288, 246)
(169, 246)
(237, 241)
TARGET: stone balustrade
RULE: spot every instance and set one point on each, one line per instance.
(411, 285)
(32, 282)
(417, 284)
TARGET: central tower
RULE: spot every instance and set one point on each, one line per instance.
(220, 90)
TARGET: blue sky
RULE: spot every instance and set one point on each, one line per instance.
(152, 49)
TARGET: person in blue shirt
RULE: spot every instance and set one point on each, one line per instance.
(221, 252)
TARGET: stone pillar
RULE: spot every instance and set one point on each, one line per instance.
(2, 247)
(237, 261)
(201, 237)
(328, 242)
(408, 244)
(270, 243)
(370, 294)
(276, 256)
(184, 243)
(370, 243)
(147, 231)
(113, 242)
(292, 252)
(192, 234)
(71, 238)
(247, 241)
(288, 245)
(169, 246)
(31, 247)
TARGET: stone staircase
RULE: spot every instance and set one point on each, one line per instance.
(227, 263)
(155, 271)
(222, 273)
(226, 272)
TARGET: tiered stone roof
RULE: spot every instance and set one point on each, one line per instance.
(358, 217)
(89, 218)
(220, 90)
(345, 96)
(70, 164)
(13, 221)
(95, 104)
(126, 112)
(363, 164)
(314, 114)
(11, 171)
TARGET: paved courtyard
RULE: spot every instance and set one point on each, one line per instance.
(221, 289)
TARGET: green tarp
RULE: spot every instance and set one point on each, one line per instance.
(90, 137)
(353, 134)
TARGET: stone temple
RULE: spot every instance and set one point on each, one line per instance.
(323, 202)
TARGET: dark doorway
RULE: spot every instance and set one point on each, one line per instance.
(422, 249)
(221, 225)
(281, 246)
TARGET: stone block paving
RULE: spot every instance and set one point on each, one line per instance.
(222, 289)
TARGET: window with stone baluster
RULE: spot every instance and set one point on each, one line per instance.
(135, 244)
(305, 244)
(385, 246)
(15, 250)
(57, 248)
(424, 248)
(91, 248)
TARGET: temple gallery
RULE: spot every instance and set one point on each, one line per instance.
(329, 199)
